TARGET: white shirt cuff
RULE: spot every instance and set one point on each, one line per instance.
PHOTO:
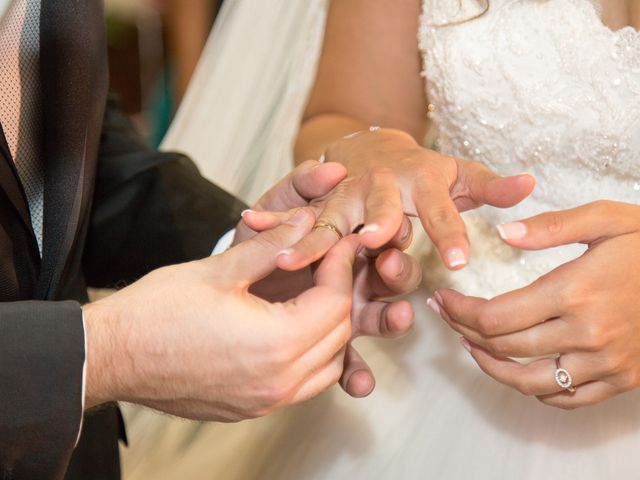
(84, 379)
(224, 243)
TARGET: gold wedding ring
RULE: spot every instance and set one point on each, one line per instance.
(329, 226)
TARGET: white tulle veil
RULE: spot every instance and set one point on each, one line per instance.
(240, 116)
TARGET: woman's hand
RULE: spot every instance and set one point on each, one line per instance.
(587, 310)
(390, 175)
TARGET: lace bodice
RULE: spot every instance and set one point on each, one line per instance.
(537, 86)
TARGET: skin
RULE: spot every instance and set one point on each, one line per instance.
(369, 74)
(209, 340)
(586, 309)
(383, 273)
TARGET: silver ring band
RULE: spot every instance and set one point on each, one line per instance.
(563, 378)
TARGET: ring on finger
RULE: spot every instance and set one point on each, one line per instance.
(329, 226)
(563, 378)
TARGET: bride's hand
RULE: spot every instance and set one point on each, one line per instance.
(390, 175)
(587, 310)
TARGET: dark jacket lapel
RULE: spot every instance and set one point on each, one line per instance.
(74, 79)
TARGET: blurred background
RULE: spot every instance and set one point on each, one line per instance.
(154, 46)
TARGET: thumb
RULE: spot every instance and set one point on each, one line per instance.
(254, 259)
(308, 181)
(586, 224)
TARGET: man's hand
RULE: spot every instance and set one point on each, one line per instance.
(191, 340)
(378, 275)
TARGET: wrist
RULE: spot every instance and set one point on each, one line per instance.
(104, 370)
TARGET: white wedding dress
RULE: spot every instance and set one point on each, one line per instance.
(533, 85)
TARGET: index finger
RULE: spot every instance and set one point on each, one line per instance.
(329, 301)
(338, 219)
(507, 313)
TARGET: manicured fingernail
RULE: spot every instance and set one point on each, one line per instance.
(245, 212)
(465, 343)
(438, 298)
(512, 231)
(456, 258)
(434, 305)
(371, 228)
(299, 218)
(286, 251)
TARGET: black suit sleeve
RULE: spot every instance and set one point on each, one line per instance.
(42, 345)
(150, 209)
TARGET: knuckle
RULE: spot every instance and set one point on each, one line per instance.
(488, 323)
(276, 394)
(280, 351)
(346, 332)
(554, 223)
(629, 380)
(380, 174)
(603, 208)
(525, 388)
(613, 364)
(574, 295)
(441, 215)
(336, 374)
(595, 336)
(272, 239)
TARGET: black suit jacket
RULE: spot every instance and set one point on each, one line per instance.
(113, 211)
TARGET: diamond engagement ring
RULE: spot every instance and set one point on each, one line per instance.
(563, 378)
(329, 226)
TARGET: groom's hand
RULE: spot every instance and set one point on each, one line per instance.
(191, 340)
(382, 274)
(309, 180)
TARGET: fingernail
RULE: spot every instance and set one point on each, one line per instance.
(456, 258)
(438, 298)
(512, 231)
(465, 343)
(299, 218)
(245, 212)
(406, 232)
(434, 305)
(371, 228)
(286, 251)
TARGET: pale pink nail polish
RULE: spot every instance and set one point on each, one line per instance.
(371, 228)
(456, 257)
(512, 231)
(465, 344)
(438, 298)
(245, 212)
(433, 305)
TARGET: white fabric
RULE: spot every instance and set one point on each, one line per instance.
(224, 243)
(240, 116)
(20, 100)
(4, 6)
(531, 86)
